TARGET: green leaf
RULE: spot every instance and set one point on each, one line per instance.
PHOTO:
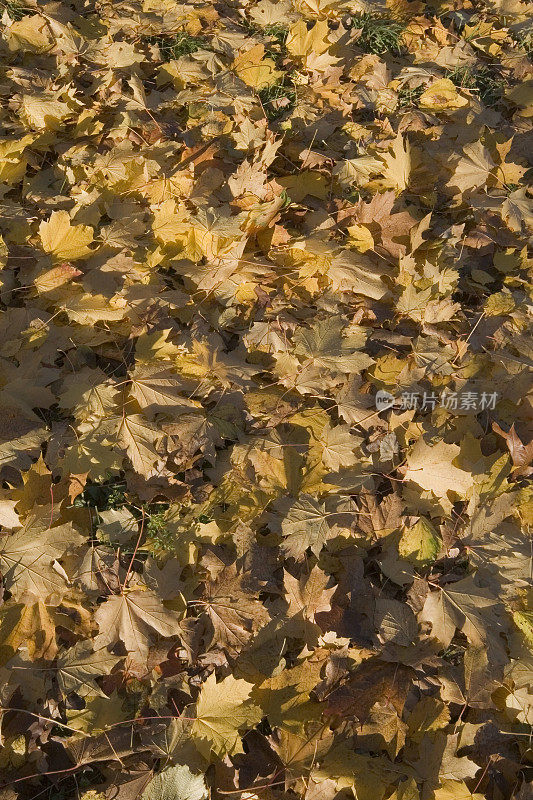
(420, 543)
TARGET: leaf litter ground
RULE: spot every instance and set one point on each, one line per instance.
(265, 431)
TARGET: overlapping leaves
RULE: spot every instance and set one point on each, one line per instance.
(227, 570)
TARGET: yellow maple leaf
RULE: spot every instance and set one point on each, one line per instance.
(483, 36)
(169, 225)
(432, 468)
(27, 623)
(442, 96)
(12, 160)
(222, 710)
(30, 33)
(361, 238)
(44, 113)
(54, 278)
(307, 182)
(397, 163)
(522, 96)
(456, 790)
(302, 42)
(64, 241)
(255, 70)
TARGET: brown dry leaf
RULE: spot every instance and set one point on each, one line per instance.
(371, 682)
(233, 611)
(29, 558)
(474, 610)
(521, 454)
(134, 618)
(308, 596)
